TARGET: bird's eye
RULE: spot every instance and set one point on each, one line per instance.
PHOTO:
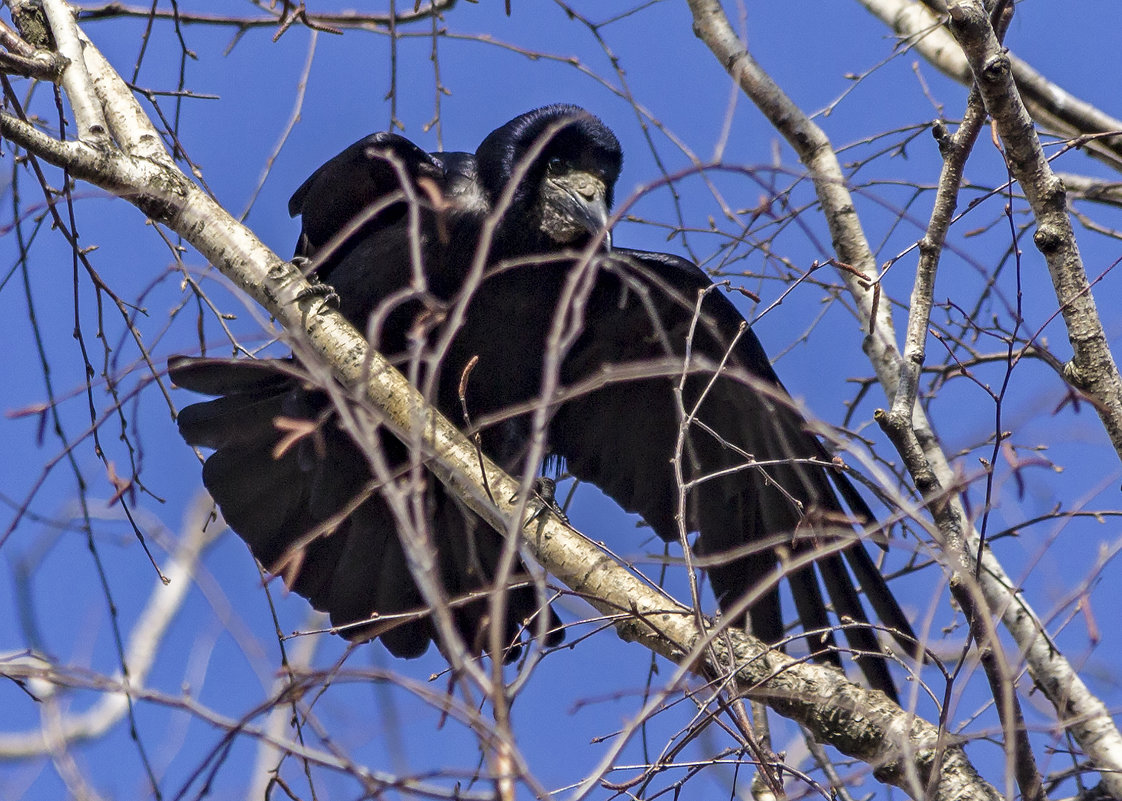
(556, 164)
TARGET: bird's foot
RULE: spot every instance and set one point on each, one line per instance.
(317, 289)
(545, 489)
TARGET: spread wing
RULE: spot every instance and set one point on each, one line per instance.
(308, 513)
(371, 217)
(759, 488)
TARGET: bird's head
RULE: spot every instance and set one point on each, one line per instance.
(565, 162)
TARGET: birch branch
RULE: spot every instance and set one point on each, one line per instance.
(1091, 369)
(75, 80)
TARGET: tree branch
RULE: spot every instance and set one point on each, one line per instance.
(92, 128)
(1092, 368)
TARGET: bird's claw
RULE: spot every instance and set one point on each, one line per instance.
(546, 490)
(319, 290)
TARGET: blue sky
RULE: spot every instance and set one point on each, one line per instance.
(221, 645)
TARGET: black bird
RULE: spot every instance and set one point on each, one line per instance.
(405, 239)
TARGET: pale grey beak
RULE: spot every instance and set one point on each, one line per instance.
(575, 205)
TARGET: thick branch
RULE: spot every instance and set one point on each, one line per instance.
(1092, 368)
(75, 80)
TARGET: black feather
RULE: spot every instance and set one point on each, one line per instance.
(763, 494)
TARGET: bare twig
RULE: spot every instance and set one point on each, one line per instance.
(316, 21)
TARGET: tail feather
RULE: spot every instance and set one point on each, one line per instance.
(858, 633)
(882, 600)
(789, 495)
(811, 607)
